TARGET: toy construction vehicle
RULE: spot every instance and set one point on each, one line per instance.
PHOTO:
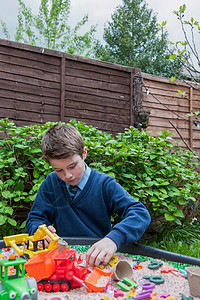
(14, 284)
(27, 246)
(56, 271)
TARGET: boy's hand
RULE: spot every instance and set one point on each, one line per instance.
(103, 250)
(47, 238)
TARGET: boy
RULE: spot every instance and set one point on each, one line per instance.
(86, 211)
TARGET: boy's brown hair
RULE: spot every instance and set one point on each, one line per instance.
(62, 141)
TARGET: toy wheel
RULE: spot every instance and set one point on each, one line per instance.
(65, 287)
(48, 287)
(40, 286)
(56, 287)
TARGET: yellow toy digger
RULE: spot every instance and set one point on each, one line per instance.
(27, 246)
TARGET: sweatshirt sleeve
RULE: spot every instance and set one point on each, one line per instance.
(135, 218)
(43, 210)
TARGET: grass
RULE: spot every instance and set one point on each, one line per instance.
(180, 247)
(184, 240)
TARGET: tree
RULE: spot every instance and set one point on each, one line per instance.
(133, 38)
(186, 52)
(50, 29)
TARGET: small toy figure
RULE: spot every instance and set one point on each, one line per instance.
(15, 285)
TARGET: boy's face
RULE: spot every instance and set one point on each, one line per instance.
(70, 169)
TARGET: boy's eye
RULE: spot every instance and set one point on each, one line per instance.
(58, 171)
(73, 166)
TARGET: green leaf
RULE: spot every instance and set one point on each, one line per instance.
(36, 173)
(182, 201)
(7, 194)
(35, 150)
(12, 222)
(169, 217)
(11, 159)
(8, 210)
(179, 213)
(111, 174)
(2, 219)
(163, 191)
(153, 199)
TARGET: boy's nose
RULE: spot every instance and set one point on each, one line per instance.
(67, 174)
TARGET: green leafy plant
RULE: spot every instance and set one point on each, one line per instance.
(22, 171)
(154, 170)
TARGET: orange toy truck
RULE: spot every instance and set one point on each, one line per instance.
(57, 271)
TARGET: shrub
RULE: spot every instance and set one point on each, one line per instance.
(153, 170)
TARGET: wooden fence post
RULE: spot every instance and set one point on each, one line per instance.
(137, 96)
(62, 89)
(132, 99)
(191, 123)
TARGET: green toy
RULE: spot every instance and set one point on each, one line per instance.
(14, 284)
(127, 284)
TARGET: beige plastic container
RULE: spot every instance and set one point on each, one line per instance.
(122, 269)
(193, 275)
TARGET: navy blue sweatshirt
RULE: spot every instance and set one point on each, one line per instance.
(89, 214)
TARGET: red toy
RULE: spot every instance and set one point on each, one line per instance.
(57, 271)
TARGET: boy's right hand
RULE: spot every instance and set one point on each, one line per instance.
(103, 250)
(47, 238)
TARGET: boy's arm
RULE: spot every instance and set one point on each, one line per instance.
(135, 220)
(42, 211)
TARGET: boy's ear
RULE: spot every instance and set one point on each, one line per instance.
(84, 153)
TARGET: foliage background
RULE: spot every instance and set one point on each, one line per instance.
(153, 170)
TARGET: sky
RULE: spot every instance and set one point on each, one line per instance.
(100, 11)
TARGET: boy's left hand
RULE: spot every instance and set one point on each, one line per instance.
(103, 250)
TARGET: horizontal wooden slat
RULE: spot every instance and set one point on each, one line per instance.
(95, 92)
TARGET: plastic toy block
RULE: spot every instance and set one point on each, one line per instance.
(118, 293)
(177, 273)
(127, 284)
(148, 286)
(154, 265)
(157, 279)
(164, 270)
(183, 297)
(113, 261)
(143, 295)
(183, 272)
(164, 295)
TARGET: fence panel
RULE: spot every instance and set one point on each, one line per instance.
(39, 85)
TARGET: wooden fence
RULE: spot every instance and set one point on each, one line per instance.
(39, 85)
(168, 109)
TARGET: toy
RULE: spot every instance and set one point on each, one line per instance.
(122, 269)
(30, 243)
(16, 285)
(158, 279)
(193, 274)
(127, 284)
(154, 265)
(57, 271)
(98, 280)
